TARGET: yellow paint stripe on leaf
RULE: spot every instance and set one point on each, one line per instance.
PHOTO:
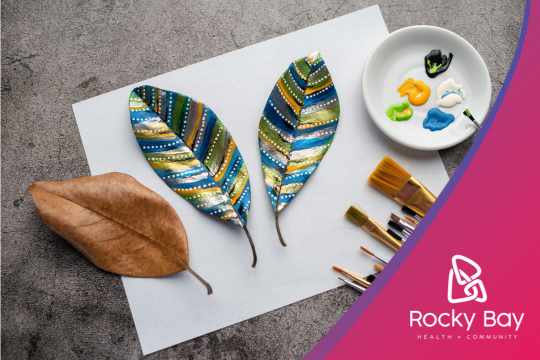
(195, 128)
(156, 96)
(301, 166)
(319, 86)
(288, 97)
(214, 191)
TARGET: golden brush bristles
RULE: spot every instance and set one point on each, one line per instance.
(367, 251)
(380, 268)
(411, 220)
(389, 177)
(336, 268)
(356, 215)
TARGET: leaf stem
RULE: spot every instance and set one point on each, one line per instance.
(252, 247)
(279, 232)
(186, 266)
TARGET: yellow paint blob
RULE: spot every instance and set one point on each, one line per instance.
(406, 111)
(418, 91)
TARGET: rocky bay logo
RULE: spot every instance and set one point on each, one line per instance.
(474, 289)
(473, 285)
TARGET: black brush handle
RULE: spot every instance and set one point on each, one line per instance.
(395, 225)
(408, 210)
(396, 236)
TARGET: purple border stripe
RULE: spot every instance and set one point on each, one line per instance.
(331, 339)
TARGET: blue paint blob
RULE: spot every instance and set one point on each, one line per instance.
(437, 120)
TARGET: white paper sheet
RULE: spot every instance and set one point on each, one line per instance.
(170, 310)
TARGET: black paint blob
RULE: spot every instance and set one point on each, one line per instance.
(436, 63)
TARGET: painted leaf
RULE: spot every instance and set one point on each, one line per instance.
(297, 128)
(193, 153)
(117, 223)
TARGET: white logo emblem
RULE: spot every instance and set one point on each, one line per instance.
(463, 279)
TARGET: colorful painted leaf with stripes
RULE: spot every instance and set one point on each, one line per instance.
(193, 153)
(297, 128)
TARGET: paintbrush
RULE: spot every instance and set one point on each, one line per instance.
(394, 235)
(358, 288)
(411, 212)
(401, 222)
(380, 258)
(354, 277)
(380, 268)
(394, 181)
(398, 227)
(415, 223)
(361, 219)
(467, 113)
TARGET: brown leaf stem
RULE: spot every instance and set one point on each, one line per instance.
(279, 232)
(186, 266)
(252, 247)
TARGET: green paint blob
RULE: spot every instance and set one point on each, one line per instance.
(399, 112)
(433, 67)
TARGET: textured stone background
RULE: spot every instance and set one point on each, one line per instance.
(55, 304)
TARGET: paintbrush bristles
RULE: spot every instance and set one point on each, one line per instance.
(336, 268)
(367, 251)
(356, 215)
(411, 220)
(389, 177)
(395, 217)
(378, 267)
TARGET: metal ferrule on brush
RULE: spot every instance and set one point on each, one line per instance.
(374, 229)
(416, 196)
(381, 259)
(354, 286)
(408, 228)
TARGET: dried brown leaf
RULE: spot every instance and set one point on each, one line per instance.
(117, 223)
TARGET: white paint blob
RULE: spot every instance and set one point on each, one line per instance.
(449, 94)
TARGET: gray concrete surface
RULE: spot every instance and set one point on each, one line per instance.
(55, 304)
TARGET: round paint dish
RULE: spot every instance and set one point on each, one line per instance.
(400, 56)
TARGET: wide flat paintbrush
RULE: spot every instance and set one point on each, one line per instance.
(361, 219)
(394, 181)
(354, 277)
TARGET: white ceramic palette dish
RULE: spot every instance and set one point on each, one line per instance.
(400, 56)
